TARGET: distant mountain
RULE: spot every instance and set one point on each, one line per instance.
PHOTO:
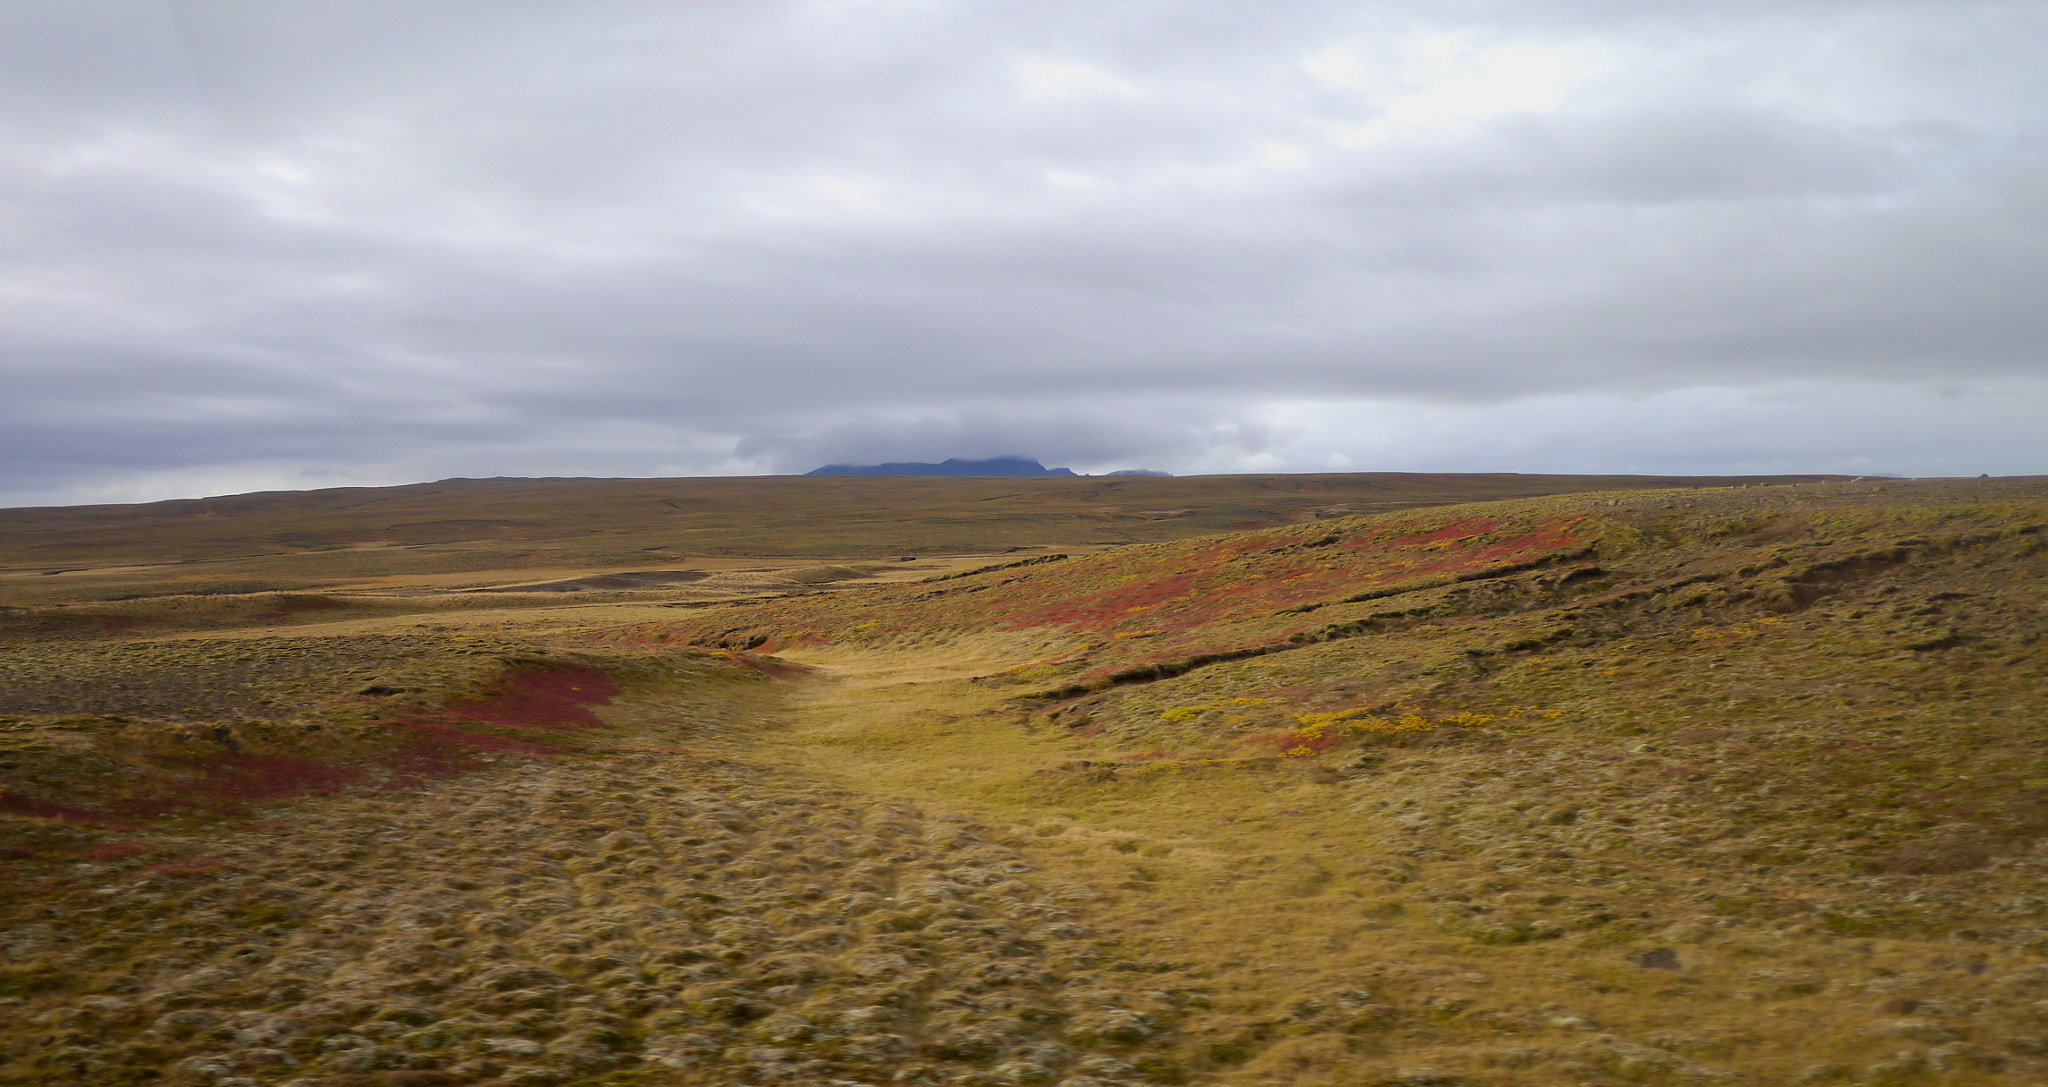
(994, 466)
(1142, 472)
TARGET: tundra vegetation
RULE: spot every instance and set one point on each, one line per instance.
(1194, 783)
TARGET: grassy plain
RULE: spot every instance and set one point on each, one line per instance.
(466, 530)
(1659, 785)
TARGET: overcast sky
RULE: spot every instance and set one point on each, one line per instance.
(251, 244)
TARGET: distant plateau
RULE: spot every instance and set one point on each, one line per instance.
(994, 466)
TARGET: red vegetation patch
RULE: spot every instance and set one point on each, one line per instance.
(431, 763)
(1161, 609)
(1247, 578)
(435, 744)
(220, 785)
(542, 698)
(446, 742)
(17, 804)
(263, 777)
(1108, 608)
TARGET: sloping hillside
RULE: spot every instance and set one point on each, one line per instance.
(1651, 787)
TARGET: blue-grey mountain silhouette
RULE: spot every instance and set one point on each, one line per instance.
(953, 466)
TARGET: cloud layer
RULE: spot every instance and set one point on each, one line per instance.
(251, 244)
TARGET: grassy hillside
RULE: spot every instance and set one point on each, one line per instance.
(1649, 786)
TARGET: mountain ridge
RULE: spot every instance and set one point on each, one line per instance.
(951, 466)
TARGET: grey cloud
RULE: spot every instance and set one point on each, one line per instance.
(386, 239)
(1685, 152)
